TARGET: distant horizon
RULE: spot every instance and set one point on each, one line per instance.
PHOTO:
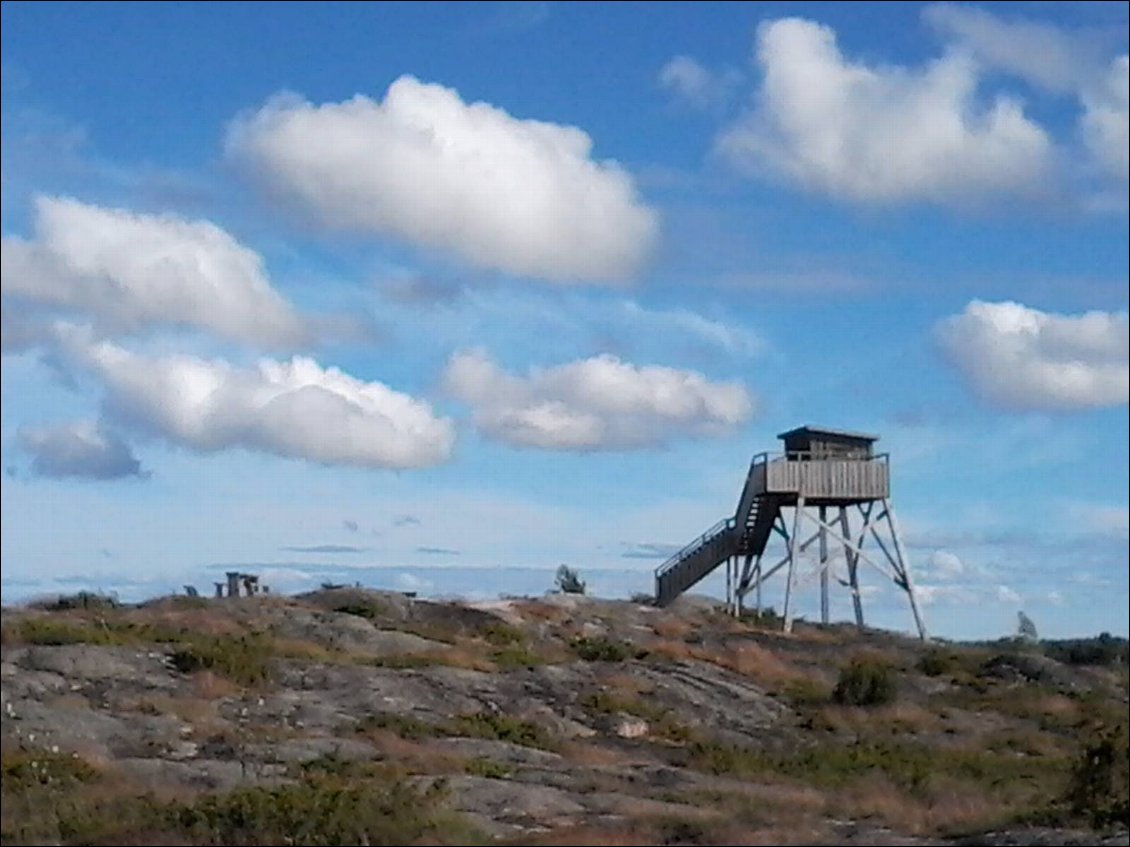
(605, 584)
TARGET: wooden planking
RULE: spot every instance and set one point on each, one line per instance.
(829, 479)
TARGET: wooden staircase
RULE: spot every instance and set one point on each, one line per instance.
(745, 534)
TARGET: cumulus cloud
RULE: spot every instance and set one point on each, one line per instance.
(291, 408)
(600, 403)
(1005, 594)
(83, 449)
(129, 271)
(1021, 358)
(521, 196)
(1106, 119)
(1046, 56)
(944, 565)
(880, 134)
(695, 85)
(1058, 60)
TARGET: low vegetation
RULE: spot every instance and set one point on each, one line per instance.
(557, 720)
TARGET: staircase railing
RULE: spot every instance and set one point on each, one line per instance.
(685, 552)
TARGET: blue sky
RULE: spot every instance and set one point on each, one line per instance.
(439, 296)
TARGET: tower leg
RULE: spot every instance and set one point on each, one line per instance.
(903, 569)
(823, 566)
(790, 572)
(730, 585)
(852, 569)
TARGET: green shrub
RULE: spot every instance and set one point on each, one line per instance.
(1104, 650)
(601, 649)
(366, 607)
(244, 659)
(516, 656)
(22, 769)
(405, 726)
(502, 728)
(51, 632)
(865, 682)
(1098, 789)
(938, 662)
(502, 634)
(488, 768)
(319, 811)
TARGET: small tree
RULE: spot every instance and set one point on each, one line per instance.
(569, 581)
(1025, 629)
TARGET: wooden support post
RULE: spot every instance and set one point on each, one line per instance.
(790, 572)
(852, 569)
(904, 570)
(823, 566)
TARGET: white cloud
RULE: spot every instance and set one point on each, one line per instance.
(1022, 358)
(1055, 59)
(129, 271)
(929, 595)
(1106, 119)
(1108, 521)
(289, 408)
(944, 565)
(669, 323)
(521, 196)
(880, 134)
(600, 403)
(1008, 595)
(78, 449)
(1046, 56)
(695, 85)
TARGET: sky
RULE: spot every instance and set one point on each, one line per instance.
(436, 297)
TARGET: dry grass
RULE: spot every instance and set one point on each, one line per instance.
(585, 754)
(416, 757)
(624, 684)
(538, 610)
(898, 718)
(759, 663)
(195, 710)
(944, 805)
(669, 626)
(208, 685)
(672, 650)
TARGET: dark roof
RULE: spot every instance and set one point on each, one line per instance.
(817, 431)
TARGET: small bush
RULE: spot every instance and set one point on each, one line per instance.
(601, 649)
(516, 656)
(26, 768)
(243, 660)
(318, 811)
(767, 618)
(502, 634)
(938, 662)
(865, 683)
(368, 608)
(501, 728)
(403, 725)
(488, 768)
(55, 633)
(1100, 780)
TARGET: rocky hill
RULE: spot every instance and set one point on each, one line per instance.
(356, 717)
